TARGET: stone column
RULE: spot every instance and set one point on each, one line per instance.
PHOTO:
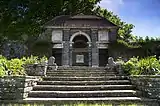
(70, 53)
(89, 53)
(65, 49)
(95, 51)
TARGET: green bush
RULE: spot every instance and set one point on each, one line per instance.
(3, 61)
(33, 59)
(16, 66)
(30, 60)
(144, 66)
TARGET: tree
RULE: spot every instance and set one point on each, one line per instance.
(125, 29)
(24, 17)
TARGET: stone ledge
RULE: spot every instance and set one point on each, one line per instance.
(16, 87)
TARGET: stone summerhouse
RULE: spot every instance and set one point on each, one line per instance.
(81, 40)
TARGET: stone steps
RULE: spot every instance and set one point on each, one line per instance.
(109, 82)
(81, 72)
(120, 99)
(80, 68)
(80, 75)
(85, 84)
(84, 94)
(52, 78)
(114, 101)
(81, 88)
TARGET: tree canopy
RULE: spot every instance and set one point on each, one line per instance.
(18, 17)
(125, 29)
(24, 17)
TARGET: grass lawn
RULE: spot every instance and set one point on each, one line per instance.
(79, 104)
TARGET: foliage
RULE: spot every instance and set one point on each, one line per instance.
(128, 45)
(143, 66)
(15, 66)
(3, 61)
(30, 60)
(33, 59)
(43, 59)
(19, 18)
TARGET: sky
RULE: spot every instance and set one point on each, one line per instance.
(144, 14)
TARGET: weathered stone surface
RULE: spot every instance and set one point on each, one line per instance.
(84, 94)
(112, 65)
(36, 70)
(65, 49)
(149, 85)
(16, 87)
(51, 64)
(95, 51)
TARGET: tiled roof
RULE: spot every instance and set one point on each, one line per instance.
(86, 17)
(60, 20)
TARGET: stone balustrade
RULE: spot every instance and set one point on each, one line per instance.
(149, 85)
(16, 87)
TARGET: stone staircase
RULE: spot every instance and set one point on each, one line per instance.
(86, 84)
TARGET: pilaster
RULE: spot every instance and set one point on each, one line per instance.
(66, 47)
(95, 51)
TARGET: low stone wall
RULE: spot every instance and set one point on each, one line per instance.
(149, 85)
(35, 69)
(16, 87)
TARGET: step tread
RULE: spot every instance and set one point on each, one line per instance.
(86, 99)
(80, 71)
(106, 91)
(80, 86)
(90, 81)
(101, 82)
(88, 77)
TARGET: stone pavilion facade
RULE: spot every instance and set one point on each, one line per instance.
(81, 40)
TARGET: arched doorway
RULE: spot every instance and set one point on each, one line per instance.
(80, 47)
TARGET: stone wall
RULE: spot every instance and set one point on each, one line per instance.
(149, 85)
(35, 69)
(16, 87)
